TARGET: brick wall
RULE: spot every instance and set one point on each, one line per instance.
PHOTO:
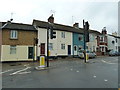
(24, 38)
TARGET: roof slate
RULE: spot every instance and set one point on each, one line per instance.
(18, 26)
(43, 24)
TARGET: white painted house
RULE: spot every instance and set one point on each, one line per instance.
(113, 41)
(92, 44)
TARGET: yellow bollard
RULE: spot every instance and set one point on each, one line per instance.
(87, 57)
(49, 53)
(42, 61)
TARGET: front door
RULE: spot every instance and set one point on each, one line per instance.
(69, 49)
(75, 50)
(42, 49)
(30, 52)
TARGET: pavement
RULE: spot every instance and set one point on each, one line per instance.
(100, 72)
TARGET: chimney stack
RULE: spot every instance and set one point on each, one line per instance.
(104, 30)
(76, 25)
(51, 19)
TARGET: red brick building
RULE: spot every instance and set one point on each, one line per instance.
(102, 44)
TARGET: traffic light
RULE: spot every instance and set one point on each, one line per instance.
(53, 33)
(87, 31)
(87, 36)
(86, 25)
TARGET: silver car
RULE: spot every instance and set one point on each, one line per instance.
(90, 54)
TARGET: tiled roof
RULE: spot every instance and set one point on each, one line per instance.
(18, 26)
(94, 31)
(43, 24)
(114, 36)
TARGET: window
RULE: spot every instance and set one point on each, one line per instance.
(86, 47)
(50, 46)
(80, 37)
(80, 47)
(102, 48)
(13, 34)
(116, 40)
(101, 39)
(63, 34)
(12, 49)
(105, 39)
(116, 48)
(62, 46)
(93, 48)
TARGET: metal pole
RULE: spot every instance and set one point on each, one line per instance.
(33, 48)
(84, 42)
(47, 46)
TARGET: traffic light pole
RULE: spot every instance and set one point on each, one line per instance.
(47, 46)
(84, 43)
(52, 36)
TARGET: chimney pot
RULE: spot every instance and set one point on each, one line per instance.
(51, 19)
(76, 25)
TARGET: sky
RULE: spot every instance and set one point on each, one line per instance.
(99, 13)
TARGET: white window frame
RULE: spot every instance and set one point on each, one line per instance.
(62, 34)
(50, 46)
(14, 34)
(63, 46)
(101, 39)
(13, 49)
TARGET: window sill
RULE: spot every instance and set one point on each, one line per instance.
(13, 38)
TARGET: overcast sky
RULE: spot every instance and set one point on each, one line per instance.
(99, 13)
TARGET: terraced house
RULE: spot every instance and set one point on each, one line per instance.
(92, 44)
(17, 42)
(62, 45)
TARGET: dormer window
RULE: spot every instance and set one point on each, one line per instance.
(13, 34)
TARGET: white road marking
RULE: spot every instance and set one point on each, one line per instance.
(20, 71)
(6, 71)
(105, 80)
(94, 76)
(107, 62)
(24, 72)
(26, 65)
(71, 69)
(77, 71)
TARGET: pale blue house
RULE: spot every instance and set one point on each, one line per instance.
(78, 43)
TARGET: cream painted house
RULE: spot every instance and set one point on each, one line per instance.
(57, 46)
(17, 42)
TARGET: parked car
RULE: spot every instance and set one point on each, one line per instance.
(113, 53)
(117, 53)
(90, 54)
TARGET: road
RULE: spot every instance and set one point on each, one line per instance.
(101, 72)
